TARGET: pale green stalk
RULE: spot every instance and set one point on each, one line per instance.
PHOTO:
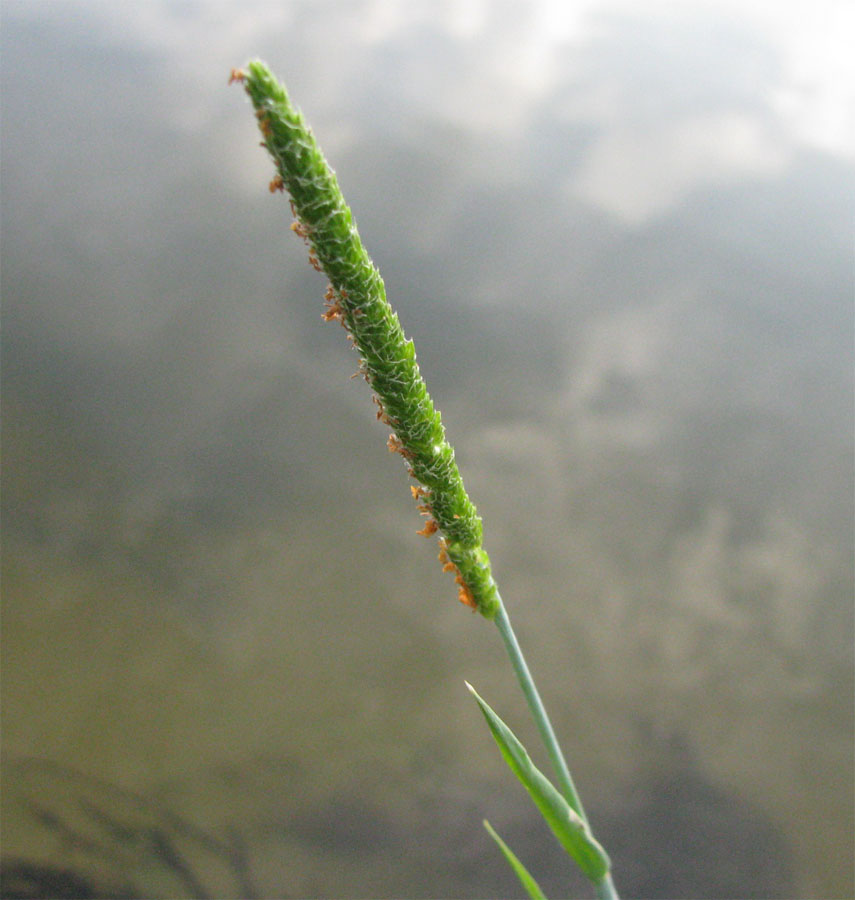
(356, 297)
(605, 888)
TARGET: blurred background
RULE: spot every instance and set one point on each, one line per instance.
(620, 236)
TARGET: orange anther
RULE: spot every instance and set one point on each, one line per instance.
(464, 595)
(300, 230)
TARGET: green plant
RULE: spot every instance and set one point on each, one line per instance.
(356, 297)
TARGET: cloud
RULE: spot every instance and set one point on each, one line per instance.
(639, 173)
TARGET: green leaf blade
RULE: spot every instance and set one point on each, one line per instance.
(532, 888)
(569, 828)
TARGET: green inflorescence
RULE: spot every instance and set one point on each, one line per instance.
(357, 298)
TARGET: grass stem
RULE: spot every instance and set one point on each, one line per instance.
(605, 889)
(538, 711)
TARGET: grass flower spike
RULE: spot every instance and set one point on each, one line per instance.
(356, 298)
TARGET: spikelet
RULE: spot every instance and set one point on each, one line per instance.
(356, 298)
